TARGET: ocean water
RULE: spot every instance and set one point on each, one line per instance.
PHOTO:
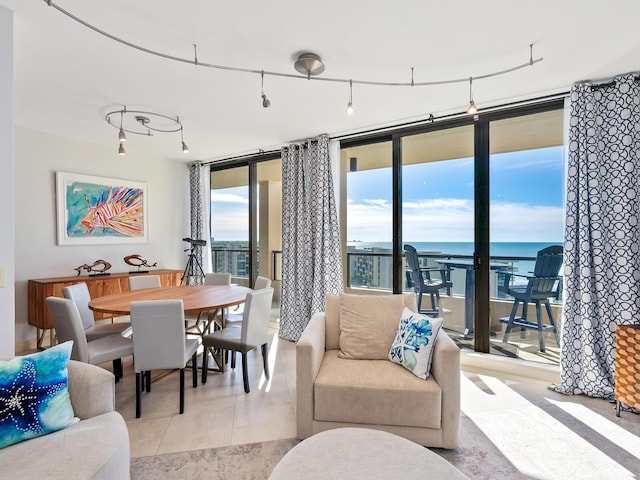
(497, 249)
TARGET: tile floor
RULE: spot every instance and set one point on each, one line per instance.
(216, 414)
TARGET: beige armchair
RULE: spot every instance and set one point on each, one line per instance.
(335, 392)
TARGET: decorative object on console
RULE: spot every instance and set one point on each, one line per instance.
(137, 261)
(34, 396)
(99, 267)
(99, 211)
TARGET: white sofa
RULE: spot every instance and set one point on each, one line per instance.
(96, 447)
(335, 392)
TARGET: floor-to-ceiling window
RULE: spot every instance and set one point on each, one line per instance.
(246, 219)
(230, 221)
(526, 177)
(438, 215)
(367, 215)
(468, 191)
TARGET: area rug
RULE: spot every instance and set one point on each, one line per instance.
(253, 461)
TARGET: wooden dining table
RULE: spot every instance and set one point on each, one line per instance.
(197, 299)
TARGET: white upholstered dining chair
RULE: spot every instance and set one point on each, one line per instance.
(159, 343)
(79, 293)
(144, 281)
(68, 325)
(253, 333)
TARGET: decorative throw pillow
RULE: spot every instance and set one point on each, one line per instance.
(368, 324)
(34, 397)
(413, 346)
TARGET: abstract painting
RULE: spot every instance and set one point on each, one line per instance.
(99, 210)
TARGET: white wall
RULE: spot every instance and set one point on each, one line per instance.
(38, 156)
(7, 302)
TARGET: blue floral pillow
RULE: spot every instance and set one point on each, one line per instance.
(34, 398)
(413, 345)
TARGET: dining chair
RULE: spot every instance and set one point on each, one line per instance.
(159, 343)
(236, 318)
(144, 281)
(68, 325)
(79, 293)
(419, 278)
(253, 333)
(545, 283)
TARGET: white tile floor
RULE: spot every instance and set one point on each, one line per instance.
(218, 413)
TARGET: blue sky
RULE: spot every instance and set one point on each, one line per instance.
(526, 201)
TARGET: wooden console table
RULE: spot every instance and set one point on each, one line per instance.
(627, 384)
(99, 285)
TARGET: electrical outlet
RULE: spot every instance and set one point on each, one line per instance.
(2, 269)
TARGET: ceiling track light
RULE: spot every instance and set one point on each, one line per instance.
(471, 110)
(266, 103)
(121, 136)
(349, 109)
(141, 122)
(185, 148)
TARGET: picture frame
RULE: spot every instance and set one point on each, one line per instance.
(94, 210)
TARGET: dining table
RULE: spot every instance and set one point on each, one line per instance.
(214, 300)
(469, 285)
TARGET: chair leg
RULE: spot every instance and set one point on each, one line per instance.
(205, 360)
(148, 382)
(138, 394)
(265, 358)
(512, 315)
(117, 369)
(539, 320)
(245, 373)
(233, 358)
(182, 390)
(552, 322)
(525, 311)
(194, 369)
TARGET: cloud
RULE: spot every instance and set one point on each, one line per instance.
(217, 196)
(452, 220)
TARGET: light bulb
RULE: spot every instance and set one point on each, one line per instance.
(349, 109)
(185, 149)
(121, 150)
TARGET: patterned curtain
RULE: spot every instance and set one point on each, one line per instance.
(198, 179)
(602, 233)
(311, 256)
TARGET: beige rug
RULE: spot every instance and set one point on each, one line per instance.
(253, 461)
(493, 446)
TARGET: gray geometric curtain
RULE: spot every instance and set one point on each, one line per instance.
(311, 257)
(193, 276)
(602, 233)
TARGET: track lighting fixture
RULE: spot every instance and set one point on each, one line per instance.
(472, 110)
(121, 136)
(266, 103)
(349, 109)
(185, 148)
(144, 123)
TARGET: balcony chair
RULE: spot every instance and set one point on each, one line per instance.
(253, 333)
(419, 278)
(159, 343)
(79, 293)
(68, 325)
(144, 281)
(545, 283)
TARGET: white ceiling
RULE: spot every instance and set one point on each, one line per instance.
(67, 77)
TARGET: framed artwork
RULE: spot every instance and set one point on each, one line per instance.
(100, 211)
